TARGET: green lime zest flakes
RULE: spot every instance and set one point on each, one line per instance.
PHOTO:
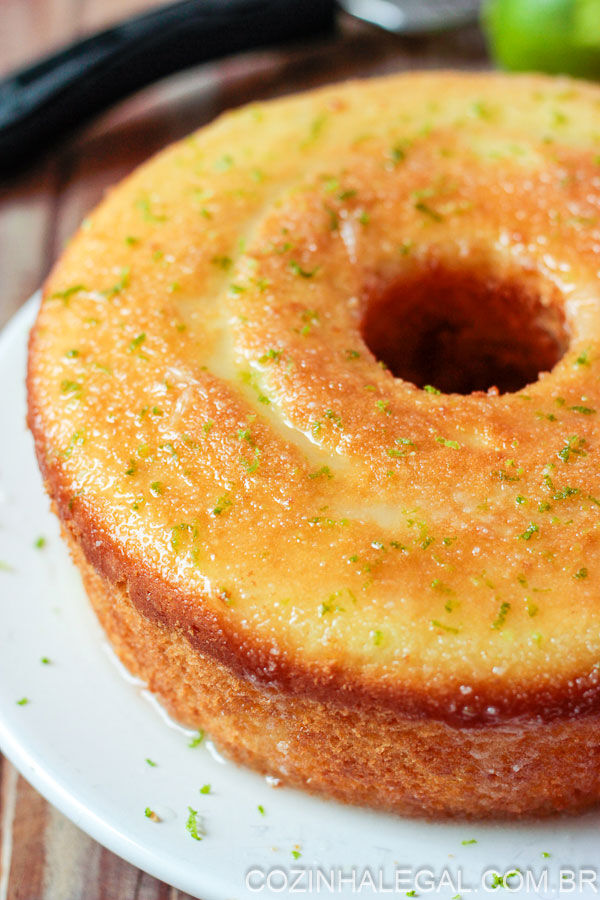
(225, 596)
(193, 826)
(223, 503)
(565, 493)
(377, 636)
(430, 389)
(303, 273)
(573, 447)
(316, 127)
(296, 854)
(120, 284)
(183, 534)
(150, 814)
(144, 205)
(69, 292)
(222, 262)
(559, 117)
(74, 497)
(131, 240)
(412, 893)
(309, 317)
(501, 617)
(77, 438)
(364, 217)
(45, 660)
(39, 543)
(482, 110)
(383, 406)
(334, 222)
(334, 417)
(156, 488)
(323, 472)
(583, 359)
(581, 573)
(271, 354)
(532, 609)
(406, 444)
(250, 465)
(584, 410)
(137, 342)
(435, 623)
(437, 585)
(545, 854)
(502, 880)
(261, 809)
(397, 154)
(197, 739)
(150, 762)
(351, 354)
(205, 789)
(454, 445)
(331, 185)
(428, 210)
(224, 163)
(23, 701)
(71, 387)
(532, 528)
(503, 475)
(72, 354)
(132, 467)
(469, 841)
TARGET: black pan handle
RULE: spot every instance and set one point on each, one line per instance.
(38, 104)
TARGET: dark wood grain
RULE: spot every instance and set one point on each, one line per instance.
(42, 855)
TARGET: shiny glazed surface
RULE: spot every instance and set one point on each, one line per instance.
(217, 433)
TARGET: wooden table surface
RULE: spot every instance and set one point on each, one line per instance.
(42, 855)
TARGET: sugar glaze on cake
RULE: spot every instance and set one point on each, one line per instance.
(286, 396)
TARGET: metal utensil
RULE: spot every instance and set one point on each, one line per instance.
(39, 103)
(413, 16)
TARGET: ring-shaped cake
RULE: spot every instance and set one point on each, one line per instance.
(315, 394)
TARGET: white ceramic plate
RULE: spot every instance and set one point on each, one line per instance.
(84, 735)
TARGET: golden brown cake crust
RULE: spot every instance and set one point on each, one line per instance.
(225, 449)
(371, 757)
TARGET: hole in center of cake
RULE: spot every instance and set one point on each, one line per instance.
(466, 331)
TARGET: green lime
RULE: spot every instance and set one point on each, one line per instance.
(557, 36)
